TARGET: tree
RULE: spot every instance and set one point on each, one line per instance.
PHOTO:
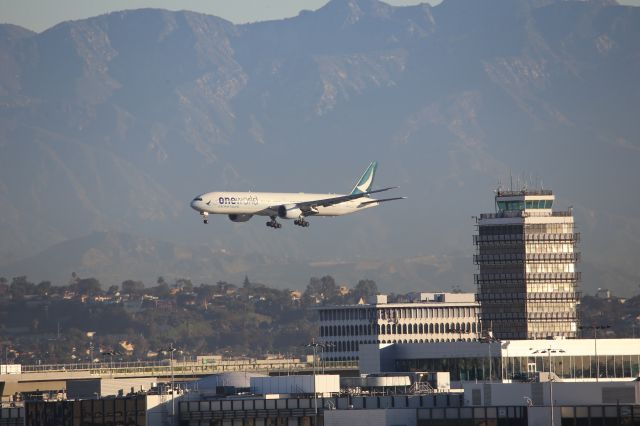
(365, 289)
(88, 287)
(43, 288)
(113, 290)
(131, 287)
(20, 287)
(184, 284)
(4, 287)
(161, 290)
(323, 289)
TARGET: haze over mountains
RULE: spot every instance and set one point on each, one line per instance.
(109, 126)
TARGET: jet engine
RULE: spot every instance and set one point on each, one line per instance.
(240, 217)
(289, 211)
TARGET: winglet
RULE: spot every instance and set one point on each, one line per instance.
(366, 180)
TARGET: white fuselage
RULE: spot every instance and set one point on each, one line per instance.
(263, 203)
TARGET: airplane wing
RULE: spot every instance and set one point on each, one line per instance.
(364, 203)
(309, 207)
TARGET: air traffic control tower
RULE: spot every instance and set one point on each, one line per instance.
(527, 280)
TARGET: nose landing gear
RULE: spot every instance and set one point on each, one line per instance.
(205, 217)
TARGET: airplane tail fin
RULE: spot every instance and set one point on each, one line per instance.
(366, 180)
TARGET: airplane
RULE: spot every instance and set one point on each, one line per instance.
(242, 206)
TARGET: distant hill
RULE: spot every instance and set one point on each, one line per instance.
(112, 124)
(115, 257)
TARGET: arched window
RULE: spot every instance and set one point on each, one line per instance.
(421, 328)
(430, 328)
(388, 328)
(404, 328)
(473, 327)
(415, 328)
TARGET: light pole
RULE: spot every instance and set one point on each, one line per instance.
(315, 345)
(90, 335)
(595, 329)
(549, 351)
(171, 350)
(110, 354)
(489, 340)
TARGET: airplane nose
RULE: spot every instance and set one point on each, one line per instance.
(195, 204)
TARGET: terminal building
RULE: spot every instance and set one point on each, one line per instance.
(527, 280)
(507, 361)
(432, 317)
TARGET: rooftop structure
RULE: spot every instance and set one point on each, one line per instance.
(527, 280)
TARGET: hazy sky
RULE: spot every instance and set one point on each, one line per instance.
(39, 15)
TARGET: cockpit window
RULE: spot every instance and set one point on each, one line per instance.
(197, 199)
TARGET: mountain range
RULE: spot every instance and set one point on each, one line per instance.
(109, 126)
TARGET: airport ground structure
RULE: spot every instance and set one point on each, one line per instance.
(507, 355)
(527, 279)
(510, 361)
(432, 317)
(236, 399)
(54, 379)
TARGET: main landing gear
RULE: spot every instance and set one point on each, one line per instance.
(301, 222)
(273, 223)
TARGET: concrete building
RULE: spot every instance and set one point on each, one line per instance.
(568, 360)
(527, 280)
(433, 317)
(91, 388)
(561, 403)
(381, 400)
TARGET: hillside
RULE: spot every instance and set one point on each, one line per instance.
(113, 123)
